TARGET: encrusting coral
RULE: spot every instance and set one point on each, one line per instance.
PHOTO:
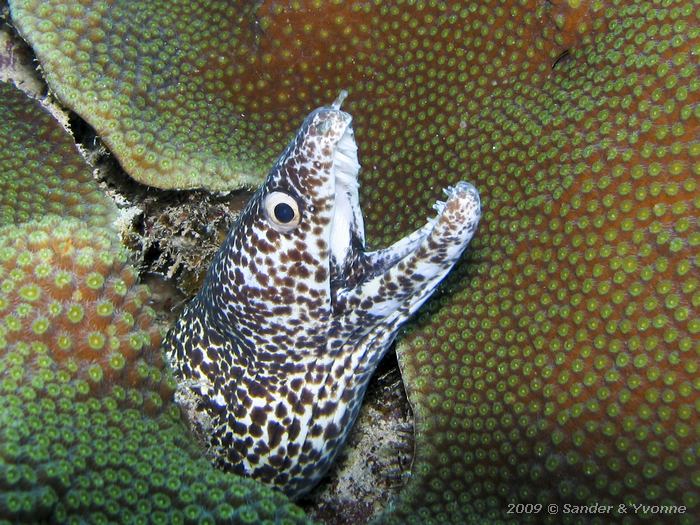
(48, 176)
(88, 431)
(156, 100)
(560, 363)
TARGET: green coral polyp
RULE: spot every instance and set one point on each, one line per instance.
(96, 341)
(40, 326)
(117, 361)
(30, 292)
(95, 281)
(588, 170)
(75, 313)
(105, 309)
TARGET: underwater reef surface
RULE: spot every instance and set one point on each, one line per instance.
(42, 172)
(88, 430)
(204, 93)
(559, 364)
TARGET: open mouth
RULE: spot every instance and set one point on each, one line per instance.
(350, 265)
(405, 272)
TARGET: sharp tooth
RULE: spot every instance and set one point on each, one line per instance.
(347, 217)
(439, 206)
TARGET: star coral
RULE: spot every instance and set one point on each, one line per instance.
(48, 176)
(207, 92)
(160, 101)
(561, 362)
(88, 431)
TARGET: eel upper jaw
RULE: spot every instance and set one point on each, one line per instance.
(347, 231)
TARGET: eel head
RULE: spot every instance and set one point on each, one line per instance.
(274, 353)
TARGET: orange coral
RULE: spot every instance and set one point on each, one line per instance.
(71, 289)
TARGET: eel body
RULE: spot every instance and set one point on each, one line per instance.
(274, 354)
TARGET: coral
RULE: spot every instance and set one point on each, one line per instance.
(560, 363)
(41, 171)
(210, 89)
(88, 430)
(68, 289)
(87, 427)
(167, 103)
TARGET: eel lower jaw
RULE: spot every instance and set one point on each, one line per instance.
(404, 274)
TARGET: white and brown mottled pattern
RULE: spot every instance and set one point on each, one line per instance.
(274, 354)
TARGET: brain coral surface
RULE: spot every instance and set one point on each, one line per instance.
(88, 432)
(560, 362)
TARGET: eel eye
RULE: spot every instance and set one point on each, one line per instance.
(282, 211)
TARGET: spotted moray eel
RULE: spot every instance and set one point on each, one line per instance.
(274, 354)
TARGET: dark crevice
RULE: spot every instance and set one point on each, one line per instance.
(174, 232)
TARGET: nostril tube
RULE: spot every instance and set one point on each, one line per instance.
(340, 99)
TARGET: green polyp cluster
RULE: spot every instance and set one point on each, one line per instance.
(69, 456)
(87, 427)
(35, 151)
(51, 295)
(559, 362)
(88, 430)
(142, 93)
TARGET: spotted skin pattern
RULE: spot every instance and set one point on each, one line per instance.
(274, 354)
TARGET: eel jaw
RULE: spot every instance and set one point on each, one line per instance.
(402, 276)
(387, 286)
